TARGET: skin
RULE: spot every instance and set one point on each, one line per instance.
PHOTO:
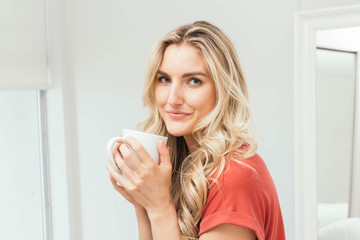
(184, 94)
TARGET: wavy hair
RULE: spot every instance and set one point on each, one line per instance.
(221, 135)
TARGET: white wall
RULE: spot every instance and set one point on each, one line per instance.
(316, 4)
(108, 44)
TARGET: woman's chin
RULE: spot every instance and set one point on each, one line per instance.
(176, 132)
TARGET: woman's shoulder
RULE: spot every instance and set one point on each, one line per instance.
(245, 170)
(243, 175)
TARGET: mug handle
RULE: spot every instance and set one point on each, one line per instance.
(109, 148)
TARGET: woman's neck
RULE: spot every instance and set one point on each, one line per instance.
(191, 143)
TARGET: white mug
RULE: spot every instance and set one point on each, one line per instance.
(149, 141)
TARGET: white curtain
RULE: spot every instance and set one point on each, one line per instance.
(23, 62)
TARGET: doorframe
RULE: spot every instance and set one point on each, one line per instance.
(306, 25)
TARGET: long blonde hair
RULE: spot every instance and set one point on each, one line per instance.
(221, 134)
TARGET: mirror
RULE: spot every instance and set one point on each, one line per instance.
(336, 106)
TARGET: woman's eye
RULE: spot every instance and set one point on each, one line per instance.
(195, 82)
(163, 79)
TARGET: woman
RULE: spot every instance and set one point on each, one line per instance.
(210, 183)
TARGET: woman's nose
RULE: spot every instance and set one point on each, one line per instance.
(176, 96)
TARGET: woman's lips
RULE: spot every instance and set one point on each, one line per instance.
(177, 114)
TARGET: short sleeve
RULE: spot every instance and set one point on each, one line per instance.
(242, 196)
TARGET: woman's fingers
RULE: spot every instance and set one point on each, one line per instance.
(117, 177)
(130, 157)
(139, 150)
(123, 191)
(116, 148)
(114, 183)
(124, 167)
(164, 153)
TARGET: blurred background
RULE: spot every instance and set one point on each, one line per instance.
(71, 77)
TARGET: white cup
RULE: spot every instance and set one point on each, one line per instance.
(149, 141)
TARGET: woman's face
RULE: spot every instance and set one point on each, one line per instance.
(184, 90)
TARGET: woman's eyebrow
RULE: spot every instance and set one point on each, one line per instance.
(163, 73)
(189, 74)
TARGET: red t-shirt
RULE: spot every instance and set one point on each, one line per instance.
(245, 198)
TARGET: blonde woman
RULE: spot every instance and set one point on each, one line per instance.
(210, 183)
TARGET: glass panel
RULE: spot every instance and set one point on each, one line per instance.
(335, 99)
(20, 189)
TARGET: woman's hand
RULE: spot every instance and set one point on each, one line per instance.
(123, 192)
(118, 188)
(147, 183)
(144, 225)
